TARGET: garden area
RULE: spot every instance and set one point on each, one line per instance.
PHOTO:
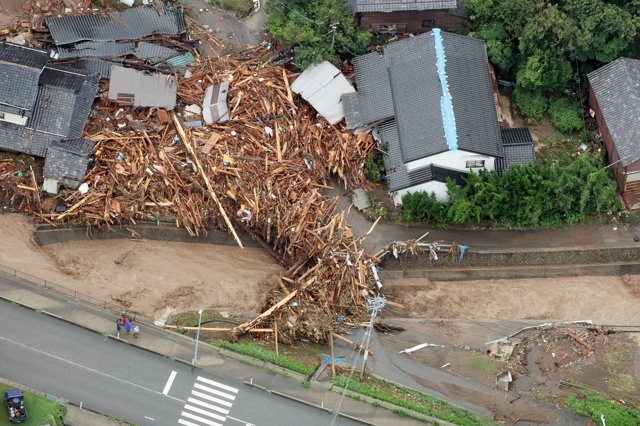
(40, 410)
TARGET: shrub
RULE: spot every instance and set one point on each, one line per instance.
(595, 406)
(422, 207)
(373, 167)
(566, 115)
(531, 105)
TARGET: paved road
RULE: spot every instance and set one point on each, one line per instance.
(129, 383)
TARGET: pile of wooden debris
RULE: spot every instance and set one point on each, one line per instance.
(263, 170)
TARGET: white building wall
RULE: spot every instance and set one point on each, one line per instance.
(456, 160)
(437, 187)
(13, 118)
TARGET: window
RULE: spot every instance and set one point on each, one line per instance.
(428, 23)
(475, 163)
(387, 28)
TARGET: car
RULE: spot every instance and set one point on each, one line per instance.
(14, 401)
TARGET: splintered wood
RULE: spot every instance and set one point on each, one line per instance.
(266, 167)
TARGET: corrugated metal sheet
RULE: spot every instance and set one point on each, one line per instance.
(323, 85)
(154, 53)
(96, 49)
(130, 24)
(181, 61)
(93, 66)
(358, 6)
(146, 90)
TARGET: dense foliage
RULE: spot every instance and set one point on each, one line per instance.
(319, 30)
(549, 47)
(565, 115)
(540, 194)
(594, 406)
(374, 167)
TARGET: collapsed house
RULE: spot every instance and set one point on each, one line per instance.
(43, 109)
(431, 100)
(94, 42)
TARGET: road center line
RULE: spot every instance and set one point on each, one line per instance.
(84, 367)
(172, 376)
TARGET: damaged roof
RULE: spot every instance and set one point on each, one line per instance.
(360, 6)
(110, 49)
(323, 85)
(138, 88)
(130, 24)
(68, 159)
(615, 87)
(59, 108)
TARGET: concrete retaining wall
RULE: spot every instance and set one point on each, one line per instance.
(46, 234)
(562, 256)
(513, 272)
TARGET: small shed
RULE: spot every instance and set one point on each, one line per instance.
(322, 86)
(66, 163)
(137, 88)
(214, 106)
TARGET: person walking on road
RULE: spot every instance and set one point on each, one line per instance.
(136, 331)
(119, 325)
(127, 326)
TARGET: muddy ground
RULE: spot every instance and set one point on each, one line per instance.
(154, 278)
(609, 300)
(9, 10)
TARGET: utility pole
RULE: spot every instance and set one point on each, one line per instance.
(374, 305)
(333, 29)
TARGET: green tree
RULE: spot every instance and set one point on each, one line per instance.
(499, 49)
(566, 115)
(318, 30)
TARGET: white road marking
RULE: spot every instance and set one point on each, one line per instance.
(186, 423)
(220, 385)
(209, 406)
(214, 391)
(170, 380)
(246, 423)
(84, 367)
(204, 412)
(200, 419)
(149, 418)
(211, 398)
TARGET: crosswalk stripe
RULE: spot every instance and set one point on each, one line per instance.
(220, 385)
(186, 423)
(211, 398)
(209, 406)
(214, 391)
(200, 419)
(204, 412)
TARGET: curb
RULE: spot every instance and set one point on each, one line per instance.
(110, 336)
(15, 302)
(187, 363)
(25, 388)
(389, 406)
(307, 403)
(256, 362)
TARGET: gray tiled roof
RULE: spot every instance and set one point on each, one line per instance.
(18, 63)
(352, 111)
(68, 159)
(472, 95)
(616, 89)
(518, 149)
(399, 5)
(402, 83)
(62, 102)
(130, 24)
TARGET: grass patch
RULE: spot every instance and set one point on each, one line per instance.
(39, 410)
(414, 400)
(594, 406)
(624, 382)
(256, 351)
(485, 364)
